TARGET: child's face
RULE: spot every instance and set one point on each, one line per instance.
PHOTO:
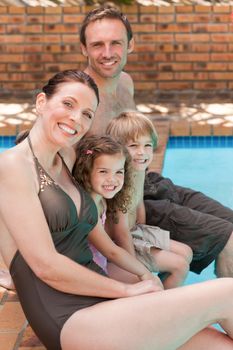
(107, 176)
(141, 151)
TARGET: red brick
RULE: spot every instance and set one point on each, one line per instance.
(210, 85)
(3, 9)
(222, 9)
(210, 66)
(148, 9)
(210, 28)
(37, 10)
(16, 9)
(166, 9)
(222, 57)
(203, 8)
(221, 75)
(192, 18)
(174, 28)
(175, 85)
(192, 57)
(72, 10)
(143, 28)
(52, 19)
(175, 66)
(73, 18)
(165, 18)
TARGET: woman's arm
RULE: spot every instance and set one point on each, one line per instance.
(24, 219)
(100, 239)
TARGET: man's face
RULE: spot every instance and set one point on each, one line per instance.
(106, 47)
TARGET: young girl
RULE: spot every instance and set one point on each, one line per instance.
(153, 246)
(103, 169)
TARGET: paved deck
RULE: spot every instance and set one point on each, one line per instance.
(185, 118)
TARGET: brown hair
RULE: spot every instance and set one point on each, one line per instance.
(87, 151)
(70, 75)
(101, 13)
(129, 126)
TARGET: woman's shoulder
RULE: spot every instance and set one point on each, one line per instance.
(14, 163)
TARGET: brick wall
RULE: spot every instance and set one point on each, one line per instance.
(178, 48)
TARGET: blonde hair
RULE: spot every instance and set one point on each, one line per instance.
(129, 126)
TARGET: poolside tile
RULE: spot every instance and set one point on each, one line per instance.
(180, 128)
(8, 130)
(11, 317)
(8, 340)
(200, 129)
(30, 340)
(222, 130)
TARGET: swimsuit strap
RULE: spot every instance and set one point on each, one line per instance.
(31, 148)
(43, 177)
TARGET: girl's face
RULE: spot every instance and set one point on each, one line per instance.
(107, 175)
(141, 151)
(68, 114)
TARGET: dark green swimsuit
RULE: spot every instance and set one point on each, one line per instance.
(46, 308)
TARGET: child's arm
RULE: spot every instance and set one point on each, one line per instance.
(120, 232)
(141, 213)
(100, 239)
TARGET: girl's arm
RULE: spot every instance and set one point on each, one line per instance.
(23, 217)
(100, 239)
(119, 232)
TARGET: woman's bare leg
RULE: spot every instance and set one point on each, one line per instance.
(209, 338)
(158, 321)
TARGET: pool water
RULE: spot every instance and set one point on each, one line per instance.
(206, 167)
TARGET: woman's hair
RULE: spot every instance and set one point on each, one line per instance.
(101, 13)
(71, 75)
(22, 135)
(87, 151)
(129, 126)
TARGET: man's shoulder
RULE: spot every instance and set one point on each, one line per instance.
(126, 83)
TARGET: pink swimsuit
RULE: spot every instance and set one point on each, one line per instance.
(98, 258)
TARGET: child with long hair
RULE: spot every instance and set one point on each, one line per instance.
(103, 169)
(153, 246)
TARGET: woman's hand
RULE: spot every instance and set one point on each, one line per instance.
(143, 287)
(149, 276)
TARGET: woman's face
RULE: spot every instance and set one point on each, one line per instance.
(69, 113)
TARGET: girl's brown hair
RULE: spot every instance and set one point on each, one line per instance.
(87, 151)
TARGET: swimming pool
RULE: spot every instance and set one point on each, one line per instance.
(205, 164)
(6, 142)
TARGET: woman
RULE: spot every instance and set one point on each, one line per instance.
(46, 217)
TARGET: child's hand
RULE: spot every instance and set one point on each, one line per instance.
(149, 276)
(143, 287)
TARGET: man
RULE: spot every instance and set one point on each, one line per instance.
(191, 217)
(106, 40)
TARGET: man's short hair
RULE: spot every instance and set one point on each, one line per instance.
(101, 13)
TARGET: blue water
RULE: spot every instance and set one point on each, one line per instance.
(207, 169)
